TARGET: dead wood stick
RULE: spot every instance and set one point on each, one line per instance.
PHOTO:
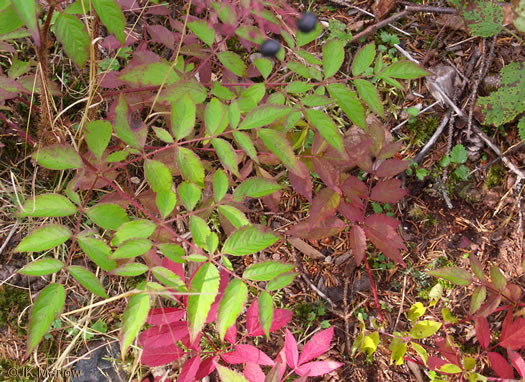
(397, 16)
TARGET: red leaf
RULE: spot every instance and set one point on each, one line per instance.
(301, 183)
(435, 363)
(329, 227)
(517, 361)
(189, 370)
(323, 206)
(351, 212)
(482, 331)
(515, 335)
(231, 334)
(507, 322)
(253, 372)
(157, 356)
(159, 336)
(207, 366)
(355, 190)
(164, 316)
(500, 365)
(391, 167)
(316, 368)
(280, 318)
(161, 35)
(380, 230)
(358, 243)
(290, 349)
(327, 173)
(490, 306)
(223, 283)
(247, 353)
(319, 344)
(390, 149)
(387, 191)
(447, 351)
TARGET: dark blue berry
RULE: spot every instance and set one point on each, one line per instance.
(269, 48)
(307, 22)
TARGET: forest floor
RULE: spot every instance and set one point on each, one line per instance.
(441, 225)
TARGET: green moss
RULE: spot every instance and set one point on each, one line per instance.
(12, 302)
(422, 130)
(495, 176)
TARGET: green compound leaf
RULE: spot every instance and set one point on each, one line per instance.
(44, 238)
(234, 216)
(204, 288)
(231, 305)
(42, 267)
(215, 117)
(280, 147)
(112, 17)
(226, 155)
(9, 20)
(203, 31)
(132, 248)
(88, 280)
(458, 154)
(199, 231)
(107, 215)
(245, 142)
(190, 194)
(47, 205)
(98, 134)
(255, 187)
(27, 11)
(170, 279)
(347, 100)
(158, 175)
(333, 57)
(134, 318)
(249, 239)
(136, 229)
(98, 251)
(266, 271)
(265, 312)
(280, 281)
(130, 270)
(455, 275)
(228, 375)
(153, 74)
(424, 329)
(406, 70)
(264, 66)
(484, 18)
(173, 252)
(263, 116)
(121, 124)
(370, 95)
(166, 201)
(190, 166)
(363, 59)
(220, 185)
(71, 32)
(416, 311)
(326, 127)
(233, 62)
(506, 103)
(58, 157)
(183, 116)
(48, 305)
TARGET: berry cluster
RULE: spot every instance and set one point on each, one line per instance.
(305, 24)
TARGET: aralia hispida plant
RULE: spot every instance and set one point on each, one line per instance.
(206, 127)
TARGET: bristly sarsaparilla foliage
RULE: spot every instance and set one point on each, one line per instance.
(181, 97)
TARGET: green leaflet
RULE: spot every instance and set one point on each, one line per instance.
(326, 127)
(248, 239)
(233, 63)
(43, 238)
(190, 166)
(112, 17)
(134, 318)
(58, 157)
(48, 305)
(88, 280)
(107, 215)
(265, 312)
(255, 187)
(333, 57)
(231, 305)
(205, 286)
(47, 205)
(266, 270)
(98, 134)
(71, 32)
(42, 267)
(158, 175)
(280, 147)
(203, 31)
